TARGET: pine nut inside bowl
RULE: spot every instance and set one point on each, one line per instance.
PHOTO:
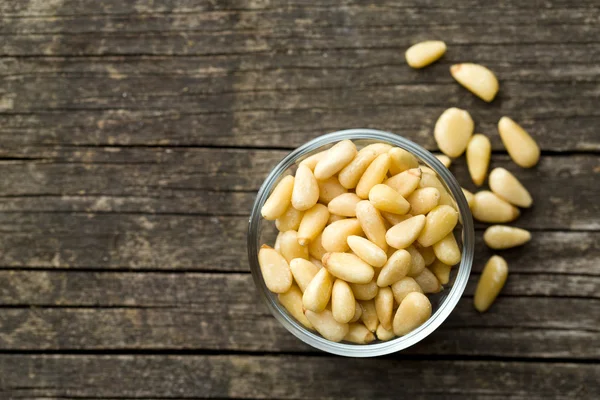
(352, 271)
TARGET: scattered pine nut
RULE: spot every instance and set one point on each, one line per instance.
(506, 186)
(504, 237)
(477, 79)
(453, 130)
(487, 207)
(479, 152)
(521, 147)
(490, 283)
(424, 53)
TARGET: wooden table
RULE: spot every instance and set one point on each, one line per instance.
(135, 134)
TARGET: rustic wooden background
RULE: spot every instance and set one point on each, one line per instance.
(135, 134)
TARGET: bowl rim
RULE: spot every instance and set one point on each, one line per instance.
(447, 304)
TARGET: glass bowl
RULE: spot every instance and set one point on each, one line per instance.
(261, 231)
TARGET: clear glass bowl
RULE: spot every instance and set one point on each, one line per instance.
(261, 231)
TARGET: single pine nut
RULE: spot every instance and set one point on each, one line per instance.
(311, 161)
(487, 207)
(375, 173)
(477, 79)
(342, 301)
(326, 325)
(318, 292)
(414, 310)
(444, 160)
(401, 160)
(277, 245)
(292, 301)
(405, 182)
(384, 306)
(479, 151)
(394, 219)
(427, 253)
(275, 270)
(336, 158)
(306, 190)
(335, 235)
(383, 334)
(469, 196)
(490, 283)
(312, 224)
(427, 170)
(439, 222)
(507, 187)
(357, 312)
(348, 267)
(290, 248)
(447, 250)
(350, 175)
(403, 287)
(396, 268)
(423, 200)
(521, 147)
(329, 189)
(417, 262)
(402, 235)
(333, 218)
(428, 282)
(344, 204)
(424, 53)
(384, 198)
(367, 251)
(504, 237)
(431, 181)
(316, 249)
(279, 200)
(369, 315)
(441, 271)
(453, 130)
(303, 271)
(371, 223)
(365, 291)
(359, 334)
(289, 220)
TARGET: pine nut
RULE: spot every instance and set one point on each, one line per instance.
(371, 223)
(384, 198)
(316, 249)
(365, 291)
(290, 248)
(504, 237)
(327, 326)
(303, 271)
(292, 301)
(396, 268)
(402, 235)
(342, 302)
(337, 157)
(424, 53)
(394, 219)
(348, 267)
(375, 173)
(444, 160)
(344, 204)
(312, 224)
(427, 253)
(335, 235)
(290, 220)
(383, 334)
(359, 334)
(428, 282)
(275, 270)
(469, 196)
(441, 271)
(384, 306)
(447, 250)
(350, 175)
(440, 222)
(401, 160)
(414, 310)
(318, 292)
(479, 151)
(277, 245)
(333, 218)
(329, 189)
(487, 207)
(311, 161)
(453, 130)
(507, 187)
(490, 283)
(306, 190)
(423, 200)
(431, 181)
(521, 147)
(369, 315)
(279, 200)
(477, 79)
(403, 287)
(368, 251)
(405, 182)
(357, 312)
(417, 262)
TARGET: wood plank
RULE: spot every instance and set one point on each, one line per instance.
(206, 376)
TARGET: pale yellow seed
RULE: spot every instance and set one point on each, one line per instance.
(384, 306)
(369, 315)
(311, 161)
(477, 79)
(290, 220)
(441, 271)
(383, 334)
(506, 186)
(444, 160)
(521, 147)
(326, 325)
(439, 222)
(414, 310)
(402, 235)
(469, 196)
(292, 301)
(423, 200)
(431, 181)
(303, 271)
(306, 189)
(329, 189)
(333, 218)
(335, 235)
(447, 250)
(403, 287)
(350, 175)
(357, 311)
(290, 248)
(279, 200)
(367, 251)
(342, 301)
(479, 151)
(504, 237)
(359, 334)
(394, 219)
(428, 282)
(417, 262)
(490, 283)
(344, 204)
(384, 198)
(277, 245)
(375, 174)
(316, 249)
(337, 157)
(275, 270)
(348, 267)
(427, 253)
(487, 207)
(401, 160)
(453, 130)
(366, 291)
(396, 268)
(318, 292)
(371, 223)
(312, 224)
(424, 53)
(405, 182)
